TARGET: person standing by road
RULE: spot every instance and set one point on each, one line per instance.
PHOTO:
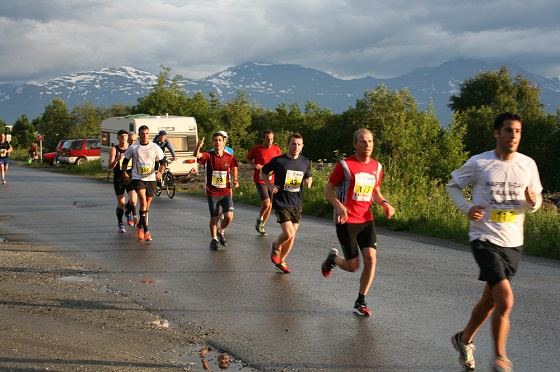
(221, 170)
(291, 170)
(116, 156)
(5, 149)
(357, 180)
(505, 184)
(257, 157)
(144, 155)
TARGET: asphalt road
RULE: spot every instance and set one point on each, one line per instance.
(423, 291)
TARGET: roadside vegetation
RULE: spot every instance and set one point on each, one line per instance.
(417, 152)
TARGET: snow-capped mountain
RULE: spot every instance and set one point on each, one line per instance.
(266, 84)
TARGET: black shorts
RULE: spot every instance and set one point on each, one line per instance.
(496, 263)
(214, 203)
(119, 186)
(149, 186)
(263, 191)
(292, 214)
(355, 236)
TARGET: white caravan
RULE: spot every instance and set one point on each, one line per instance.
(181, 132)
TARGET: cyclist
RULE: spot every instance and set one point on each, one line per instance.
(162, 141)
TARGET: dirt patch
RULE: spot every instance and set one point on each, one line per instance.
(53, 316)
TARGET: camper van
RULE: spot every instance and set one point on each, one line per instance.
(181, 132)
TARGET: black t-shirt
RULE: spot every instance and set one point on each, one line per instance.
(288, 176)
(6, 146)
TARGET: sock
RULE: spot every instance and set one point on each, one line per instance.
(361, 298)
(120, 213)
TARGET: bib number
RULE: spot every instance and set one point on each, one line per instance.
(503, 216)
(363, 187)
(145, 168)
(219, 179)
(293, 181)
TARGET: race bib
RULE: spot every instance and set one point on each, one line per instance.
(363, 187)
(503, 215)
(219, 179)
(2, 153)
(145, 167)
(293, 181)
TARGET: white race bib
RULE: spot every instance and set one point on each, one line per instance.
(219, 179)
(293, 181)
(363, 187)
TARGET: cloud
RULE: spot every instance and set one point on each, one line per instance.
(352, 38)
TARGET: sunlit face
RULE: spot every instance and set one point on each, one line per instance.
(123, 138)
(364, 144)
(218, 142)
(145, 136)
(268, 139)
(509, 136)
(132, 138)
(295, 146)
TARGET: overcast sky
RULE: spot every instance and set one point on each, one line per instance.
(42, 39)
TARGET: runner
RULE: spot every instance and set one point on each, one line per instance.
(290, 171)
(5, 150)
(144, 155)
(221, 171)
(115, 162)
(257, 157)
(505, 184)
(358, 183)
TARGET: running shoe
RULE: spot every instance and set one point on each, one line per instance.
(3, 182)
(503, 364)
(140, 233)
(222, 237)
(275, 254)
(147, 236)
(259, 226)
(214, 245)
(328, 265)
(129, 219)
(282, 267)
(360, 308)
(121, 228)
(466, 356)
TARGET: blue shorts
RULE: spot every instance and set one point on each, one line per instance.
(4, 161)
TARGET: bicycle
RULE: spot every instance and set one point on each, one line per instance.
(167, 182)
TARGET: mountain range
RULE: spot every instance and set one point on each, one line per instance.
(266, 84)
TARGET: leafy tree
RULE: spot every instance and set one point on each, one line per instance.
(167, 97)
(55, 123)
(23, 133)
(86, 120)
(2, 126)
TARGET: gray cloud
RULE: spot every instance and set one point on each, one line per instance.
(351, 38)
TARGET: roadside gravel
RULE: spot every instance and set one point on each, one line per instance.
(53, 317)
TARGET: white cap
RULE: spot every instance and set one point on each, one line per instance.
(223, 133)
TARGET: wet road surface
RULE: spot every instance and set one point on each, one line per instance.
(423, 292)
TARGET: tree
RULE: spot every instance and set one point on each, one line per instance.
(23, 133)
(86, 120)
(55, 123)
(167, 97)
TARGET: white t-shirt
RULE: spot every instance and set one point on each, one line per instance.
(144, 158)
(499, 185)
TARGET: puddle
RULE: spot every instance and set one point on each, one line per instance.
(206, 358)
(75, 279)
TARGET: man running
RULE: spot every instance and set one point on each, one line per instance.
(5, 149)
(358, 183)
(291, 170)
(116, 156)
(505, 184)
(144, 155)
(221, 170)
(257, 157)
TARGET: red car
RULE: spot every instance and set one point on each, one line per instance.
(52, 157)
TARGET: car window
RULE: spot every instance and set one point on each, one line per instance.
(77, 145)
(92, 145)
(67, 144)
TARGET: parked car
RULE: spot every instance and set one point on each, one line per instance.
(52, 157)
(80, 151)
